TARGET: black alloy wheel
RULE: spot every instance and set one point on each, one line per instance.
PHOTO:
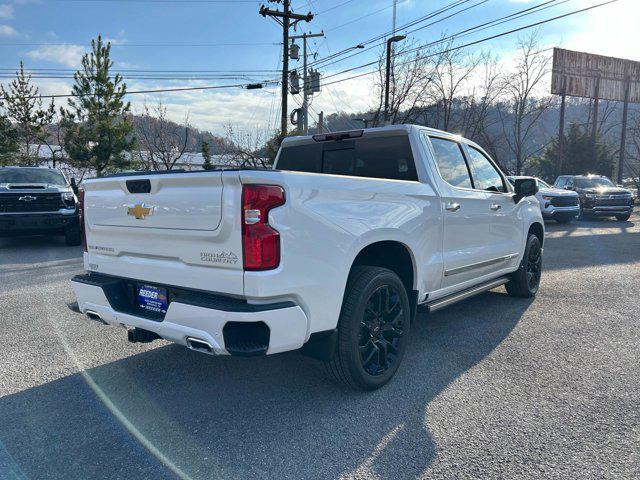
(381, 330)
(525, 281)
(373, 329)
(534, 266)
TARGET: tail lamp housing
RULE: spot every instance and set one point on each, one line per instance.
(260, 241)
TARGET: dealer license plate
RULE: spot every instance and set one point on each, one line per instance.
(153, 299)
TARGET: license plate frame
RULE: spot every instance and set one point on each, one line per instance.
(153, 299)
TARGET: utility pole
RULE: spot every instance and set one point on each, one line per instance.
(305, 83)
(390, 41)
(563, 106)
(623, 138)
(284, 18)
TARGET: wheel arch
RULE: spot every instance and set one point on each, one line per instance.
(537, 229)
(395, 256)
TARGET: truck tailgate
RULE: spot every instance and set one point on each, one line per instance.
(179, 229)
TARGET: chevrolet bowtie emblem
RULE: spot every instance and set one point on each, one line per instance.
(139, 211)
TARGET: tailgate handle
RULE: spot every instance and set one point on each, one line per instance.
(139, 186)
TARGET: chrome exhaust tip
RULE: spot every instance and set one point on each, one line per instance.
(199, 345)
(91, 315)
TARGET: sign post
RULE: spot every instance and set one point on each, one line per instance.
(580, 74)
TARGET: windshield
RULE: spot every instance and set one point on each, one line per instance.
(32, 175)
(592, 182)
(543, 184)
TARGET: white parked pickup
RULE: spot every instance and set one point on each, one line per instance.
(330, 252)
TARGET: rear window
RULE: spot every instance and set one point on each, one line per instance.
(378, 157)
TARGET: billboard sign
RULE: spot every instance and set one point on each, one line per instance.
(579, 74)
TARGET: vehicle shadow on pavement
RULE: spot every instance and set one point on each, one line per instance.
(591, 250)
(600, 223)
(30, 250)
(269, 417)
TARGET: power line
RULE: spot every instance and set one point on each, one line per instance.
(73, 70)
(462, 33)
(160, 90)
(492, 37)
(334, 7)
(427, 16)
(163, 45)
(155, 1)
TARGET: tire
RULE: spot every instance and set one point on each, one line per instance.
(525, 281)
(563, 219)
(73, 237)
(624, 217)
(371, 340)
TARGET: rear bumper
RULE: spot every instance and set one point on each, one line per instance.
(217, 322)
(24, 224)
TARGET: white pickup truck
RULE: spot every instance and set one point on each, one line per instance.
(330, 252)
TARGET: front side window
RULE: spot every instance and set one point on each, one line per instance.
(451, 163)
(485, 175)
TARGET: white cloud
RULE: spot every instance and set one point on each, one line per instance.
(68, 55)
(6, 11)
(7, 31)
(610, 30)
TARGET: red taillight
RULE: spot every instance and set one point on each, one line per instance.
(81, 218)
(260, 241)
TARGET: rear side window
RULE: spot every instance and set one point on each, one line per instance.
(301, 158)
(377, 157)
(451, 163)
(485, 175)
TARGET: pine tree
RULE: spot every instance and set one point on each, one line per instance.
(580, 155)
(97, 128)
(25, 108)
(206, 154)
(8, 141)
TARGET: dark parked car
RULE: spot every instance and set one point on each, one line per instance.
(599, 196)
(38, 201)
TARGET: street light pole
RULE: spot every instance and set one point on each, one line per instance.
(391, 40)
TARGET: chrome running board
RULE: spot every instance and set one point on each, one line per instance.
(440, 303)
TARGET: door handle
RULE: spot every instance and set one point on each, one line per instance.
(453, 206)
(495, 207)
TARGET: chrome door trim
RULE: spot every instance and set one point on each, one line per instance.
(474, 266)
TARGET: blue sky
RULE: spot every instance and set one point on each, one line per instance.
(55, 33)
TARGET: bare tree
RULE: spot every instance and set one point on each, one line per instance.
(524, 107)
(409, 87)
(476, 119)
(242, 148)
(160, 144)
(452, 72)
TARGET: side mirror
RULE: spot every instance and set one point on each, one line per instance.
(568, 187)
(74, 185)
(525, 187)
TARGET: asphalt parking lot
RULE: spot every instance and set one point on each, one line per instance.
(493, 387)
